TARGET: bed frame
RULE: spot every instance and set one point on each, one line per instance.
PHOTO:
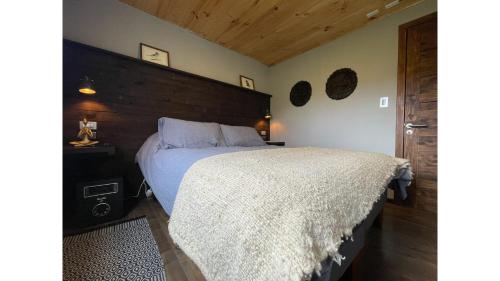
(352, 249)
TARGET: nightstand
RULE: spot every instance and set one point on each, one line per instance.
(277, 143)
(97, 149)
(92, 187)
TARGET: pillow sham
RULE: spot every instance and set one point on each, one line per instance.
(241, 136)
(176, 133)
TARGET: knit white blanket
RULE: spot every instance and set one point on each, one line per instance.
(275, 214)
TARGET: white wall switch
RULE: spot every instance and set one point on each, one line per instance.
(90, 124)
(384, 102)
(263, 133)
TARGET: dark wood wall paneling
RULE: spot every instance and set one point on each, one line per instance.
(133, 94)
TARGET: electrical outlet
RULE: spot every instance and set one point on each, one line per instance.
(263, 133)
(90, 124)
(384, 102)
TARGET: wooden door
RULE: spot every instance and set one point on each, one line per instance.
(416, 132)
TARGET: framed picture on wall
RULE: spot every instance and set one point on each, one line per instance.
(247, 82)
(154, 55)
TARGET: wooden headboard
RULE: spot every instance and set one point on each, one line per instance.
(133, 94)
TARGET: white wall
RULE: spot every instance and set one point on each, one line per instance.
(114, 26)
(355, 122)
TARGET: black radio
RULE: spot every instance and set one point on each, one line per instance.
(99, 201)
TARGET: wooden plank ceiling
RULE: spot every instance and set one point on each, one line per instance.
(270, 31)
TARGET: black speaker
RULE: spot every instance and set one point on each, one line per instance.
(99, 201)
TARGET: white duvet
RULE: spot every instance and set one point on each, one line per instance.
(275, 214)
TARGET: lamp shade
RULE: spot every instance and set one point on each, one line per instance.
(87, 86)
(268, 114)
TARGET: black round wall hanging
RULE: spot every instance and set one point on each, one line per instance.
(341, 83)
(300, 93)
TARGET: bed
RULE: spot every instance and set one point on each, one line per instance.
(219, 181)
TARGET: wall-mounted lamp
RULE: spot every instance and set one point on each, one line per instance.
(268, 114)
(87, 86)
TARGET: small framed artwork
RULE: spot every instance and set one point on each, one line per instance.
(154, 55)
(247, 82)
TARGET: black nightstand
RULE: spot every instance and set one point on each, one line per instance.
(278, 143)
(97, 149)
(92, 187)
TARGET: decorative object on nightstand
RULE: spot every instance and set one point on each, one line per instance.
(277, 143)
(85, 134)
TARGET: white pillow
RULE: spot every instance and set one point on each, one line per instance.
(241, 136)
(176, 133)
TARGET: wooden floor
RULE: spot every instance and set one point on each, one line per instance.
(405, 248)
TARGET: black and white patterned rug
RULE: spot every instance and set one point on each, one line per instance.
(124, 251)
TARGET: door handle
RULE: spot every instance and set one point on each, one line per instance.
(415, 126)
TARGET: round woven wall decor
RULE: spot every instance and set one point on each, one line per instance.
(300, 93)
(341, 83)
